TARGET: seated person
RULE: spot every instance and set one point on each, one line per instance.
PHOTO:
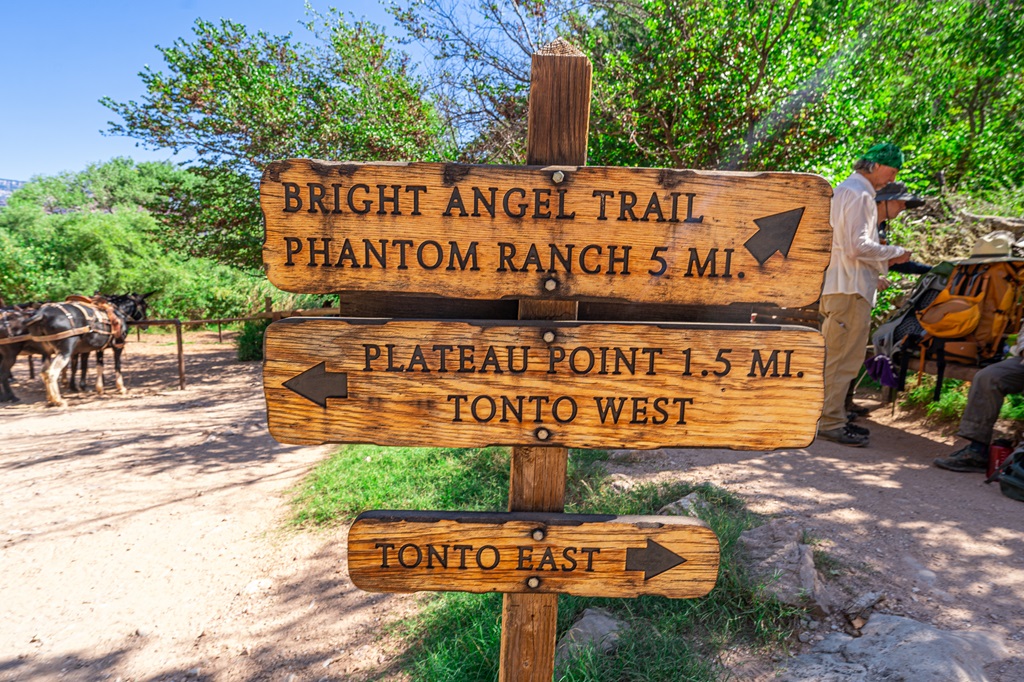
(990, 385)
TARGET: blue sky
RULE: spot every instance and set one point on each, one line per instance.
(57, 59)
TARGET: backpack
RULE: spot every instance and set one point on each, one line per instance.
(971, 314)
(1011, 475)
(901, 333)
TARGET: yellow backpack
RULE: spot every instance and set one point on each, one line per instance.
(973, 311)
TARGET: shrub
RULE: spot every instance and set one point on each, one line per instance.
(250, 340)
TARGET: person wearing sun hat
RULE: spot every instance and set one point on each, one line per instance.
(892, 200)
(858, 260)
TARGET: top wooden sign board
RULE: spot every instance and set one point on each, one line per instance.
(633, 234)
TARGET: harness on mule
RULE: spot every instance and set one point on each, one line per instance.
(99, 316)
(7, 333)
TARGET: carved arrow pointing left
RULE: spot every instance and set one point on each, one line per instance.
(317, 384)
(653, 559)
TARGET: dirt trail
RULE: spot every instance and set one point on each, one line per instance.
(142, 537)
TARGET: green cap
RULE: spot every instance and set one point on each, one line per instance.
(885, 153)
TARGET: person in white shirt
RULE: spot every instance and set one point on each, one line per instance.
(851, 282)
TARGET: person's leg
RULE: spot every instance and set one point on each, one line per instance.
(845, 329)
(984, 400)
(988, 389)
(852, 408)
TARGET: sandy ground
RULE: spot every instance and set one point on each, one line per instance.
(144, 537)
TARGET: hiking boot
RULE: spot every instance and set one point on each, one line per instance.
(844, 436)
(858, 430)
(965, 459)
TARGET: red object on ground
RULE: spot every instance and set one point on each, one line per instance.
(997, 454)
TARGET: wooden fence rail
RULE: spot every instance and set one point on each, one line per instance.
(269, 314)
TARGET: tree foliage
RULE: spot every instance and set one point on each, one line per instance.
(240, 100)
(952, 86)
(89, 232)
(479, 72)
(734, 84)
(738, 84)
(718, 83)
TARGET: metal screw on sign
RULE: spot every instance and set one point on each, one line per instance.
(533, 583)
(548, 336)
(537, 534)
(551, 284)
(543, 434)
(557, 177)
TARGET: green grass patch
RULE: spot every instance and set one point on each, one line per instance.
(950, 406)
(456, 636)
(363, 477)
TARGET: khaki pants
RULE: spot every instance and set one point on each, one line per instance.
(846, 328)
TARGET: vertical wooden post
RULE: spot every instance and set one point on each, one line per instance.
(181, 355)
(559, 121)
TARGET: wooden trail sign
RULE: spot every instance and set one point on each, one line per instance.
(633, 234)
(550, 234)
(572, 384)
(529, 552)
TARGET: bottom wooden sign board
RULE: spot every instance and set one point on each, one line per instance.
(572, 384)
(584, 555)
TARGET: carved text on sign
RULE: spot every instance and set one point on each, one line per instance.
(470, 384)
(651, 235)
(585, 555)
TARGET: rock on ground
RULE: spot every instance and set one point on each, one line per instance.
(785, 566)
(898, 649)
(596, 628)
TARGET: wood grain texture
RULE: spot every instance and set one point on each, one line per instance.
(580, 555)
(583, 258)
(557, 132)
(743, 387)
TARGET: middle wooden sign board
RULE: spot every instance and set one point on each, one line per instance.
(571, 384)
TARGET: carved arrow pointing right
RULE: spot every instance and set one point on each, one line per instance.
(317, 384)
(652, 560)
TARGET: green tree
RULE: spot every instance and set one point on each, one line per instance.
(952, 86)
(736, 84)
(480, 65)
(240, 100)
(88, 232)
(720, 83)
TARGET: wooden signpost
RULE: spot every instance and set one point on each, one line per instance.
(634, 234)
(588, 556)
(550, 234)
(574, 384)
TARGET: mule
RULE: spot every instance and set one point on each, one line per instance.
(83, 325)
(14, 338)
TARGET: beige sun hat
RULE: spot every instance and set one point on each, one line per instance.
(991, 247)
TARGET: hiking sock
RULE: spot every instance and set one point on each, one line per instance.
(978, 448)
